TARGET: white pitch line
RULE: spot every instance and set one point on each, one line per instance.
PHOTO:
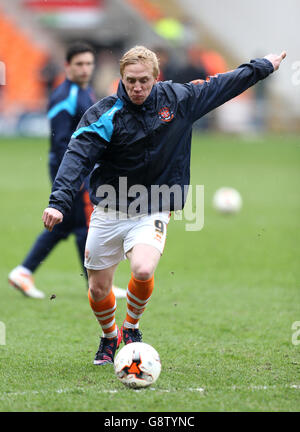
(201, 390)
(59, 391)
(266, 387)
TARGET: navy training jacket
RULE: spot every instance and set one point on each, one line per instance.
(67, 104)
(149, 144)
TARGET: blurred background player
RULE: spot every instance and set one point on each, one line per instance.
(68, 102)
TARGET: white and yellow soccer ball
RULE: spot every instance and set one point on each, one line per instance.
(227, 200)
(137, 365)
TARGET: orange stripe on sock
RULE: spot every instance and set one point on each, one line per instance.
(102, 305)
(106, 305)
(142, 290)
(134, 309)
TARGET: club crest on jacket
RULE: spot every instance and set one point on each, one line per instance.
(165, 114)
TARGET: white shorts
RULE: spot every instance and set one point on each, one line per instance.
(110, 238)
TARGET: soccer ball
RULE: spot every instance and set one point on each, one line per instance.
(137, 365)
(227, 200)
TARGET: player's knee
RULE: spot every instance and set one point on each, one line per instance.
(143, 271)
(99, 288)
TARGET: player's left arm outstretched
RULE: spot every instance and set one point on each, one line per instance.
(204, 96)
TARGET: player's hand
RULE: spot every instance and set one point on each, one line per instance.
(276, 59)
(51, 217)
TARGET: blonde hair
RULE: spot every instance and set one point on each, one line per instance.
(140, 54)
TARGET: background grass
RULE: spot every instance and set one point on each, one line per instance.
(221, 313)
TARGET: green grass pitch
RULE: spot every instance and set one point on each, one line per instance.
(223, 307)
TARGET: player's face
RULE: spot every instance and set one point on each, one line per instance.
(80, 68)
(138, 80)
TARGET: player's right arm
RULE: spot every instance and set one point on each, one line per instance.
(84, 150)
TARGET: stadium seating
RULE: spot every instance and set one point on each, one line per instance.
(23, 60)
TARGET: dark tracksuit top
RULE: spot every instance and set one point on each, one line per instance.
(149, 144)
